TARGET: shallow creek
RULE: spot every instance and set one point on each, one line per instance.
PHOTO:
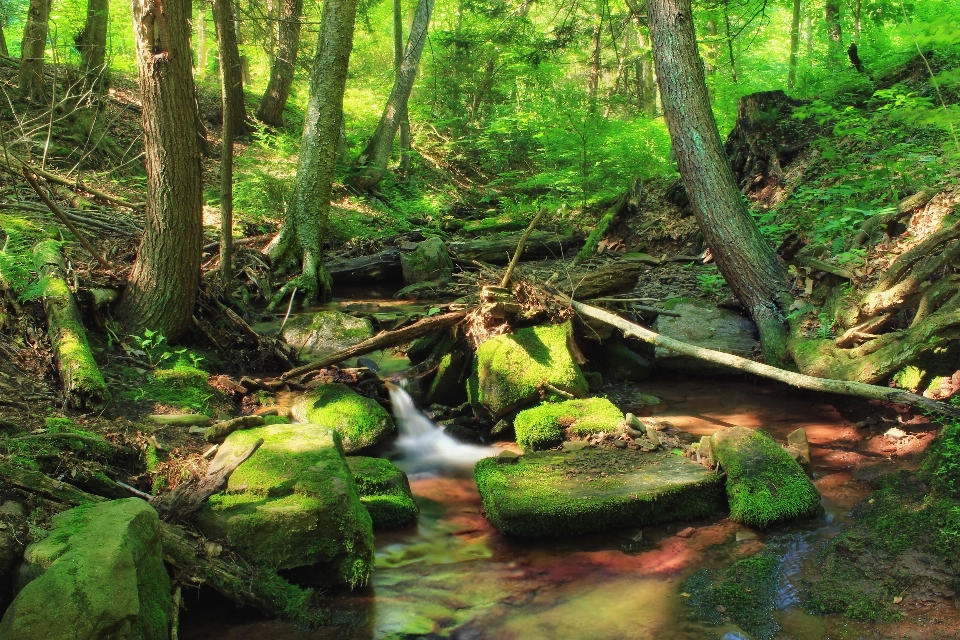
(455, 576)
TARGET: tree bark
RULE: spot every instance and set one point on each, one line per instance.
(371, 166)
(32, 50)
(162, 289)
(831, 14)
(224, 20)
(284, 64)
(794, 45)
(92, 44)
(230, 64)
(755, 273)
(404, 166)
(305, 223)
(4, 51)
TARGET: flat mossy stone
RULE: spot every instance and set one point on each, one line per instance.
(550, 493)
(509, 370)
(550, 423)
(327, 331)
(360, 421)
(385, 492)
(294, 503)
(703, 324)
(99, 574)
(765, 485)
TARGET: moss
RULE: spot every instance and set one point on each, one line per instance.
(180, 385)
(941, 464)
(294, 603)
(509, 370)
(550, 424)
(268, 420)
(593, 240)
(385, 492)
(909, 378)
(745, 592)
(447, 387)
(554, 494)
(359, 420)
(765, 485)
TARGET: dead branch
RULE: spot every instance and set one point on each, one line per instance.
(221, 430)
(523, 241)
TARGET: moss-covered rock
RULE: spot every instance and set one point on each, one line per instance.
(429, 261)
(765, 485)
(509, 370)
(551, 423)
(704, 325)
(293, 504)
(555, 493)
(99, 574)
(448, 386)
(385, 492)
(327, 331)
(621, 363)
(360, 421)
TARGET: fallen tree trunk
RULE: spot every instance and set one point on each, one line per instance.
(83, 384)
(379, 267)
(499, 249)
(382, 340)
(842, 387)
(619, 277)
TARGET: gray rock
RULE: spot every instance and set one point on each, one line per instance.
(704, 325)
(327, 331)
(620, 363)
(429, 261)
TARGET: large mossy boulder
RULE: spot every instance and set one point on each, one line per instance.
(509, 370)
(327, 331)
(429, 261)
(765, 485)
(99, 574)
(360, 421)
(448, 386)
(385, 492)
(552, 493)
(704, 325)
(550, 423)
(294, 503)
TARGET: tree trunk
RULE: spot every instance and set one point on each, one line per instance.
(284, 64)
(162, 289)
(755, 273)
(857, 7)
(808, 26)
(32, 50)
(733, 60)
(710, 64)
(371, 167)
(201, 22)
(305, 223)
(794, 45)
(4, 51)
(404, 167)
(224, 19)
(230, 63)
(92, 44)
(831, 13)
(593, 75)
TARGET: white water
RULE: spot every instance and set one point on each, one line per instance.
(424, 446)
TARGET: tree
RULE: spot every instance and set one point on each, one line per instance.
(32, 49)
(162, 288)
(371, 166)
(831, 14)
(92, 43)
(224, 20)
(284, 64)
(404, 167)
(4, 51)
(794, 45)
(230, 63)
(300, 241)
(753, 270)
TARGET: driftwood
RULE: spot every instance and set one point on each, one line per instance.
(379, 267)
(842, 387)
(221, 430)
(382, 340)
(83, 384)
(499, 249)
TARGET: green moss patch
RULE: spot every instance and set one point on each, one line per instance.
(180, 385)
(327, 331)
(555, 494)
(385, 492)
(551, 423)
(359, 420)
(509, 370)
(765, 485)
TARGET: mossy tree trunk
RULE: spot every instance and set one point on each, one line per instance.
(230, 64)
(755, 273)
(404, 167)
(32, 49)
(4, 51)
(300, 241)
(794, 45)
(91, 42)
(162, 288)
(284, 64)
(831, 15)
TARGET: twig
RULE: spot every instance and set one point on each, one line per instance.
(289, 307)
(136, 492)
(660, 312)
(523, 240)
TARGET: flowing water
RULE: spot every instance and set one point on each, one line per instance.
(454, 576)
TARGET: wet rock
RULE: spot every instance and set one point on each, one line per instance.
(295, 503)
(594, 381)
(643, 404)
(549, 424)
(385, 492)
(620, 363)
(704, 325)
(508, 457)
(765, 485)
(327, 331)
(553, 493)
(799, 449)
(13, 536)
(360, 421)
(99, 574)
(509, 370)
(429, 261)
(449, 385)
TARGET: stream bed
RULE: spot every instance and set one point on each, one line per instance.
(455, 576)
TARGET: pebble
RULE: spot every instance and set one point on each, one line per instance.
(895, 433)
(746, 534)
(685, 533)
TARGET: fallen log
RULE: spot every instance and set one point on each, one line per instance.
(221, 430)
(83, 384)
(379, 267)
(382, 340)
(499, 249)
(619, 277)
(842, 387)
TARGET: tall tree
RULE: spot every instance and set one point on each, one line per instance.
(831, 15)
(201, 24)
(284, 63)
(162, 288)
(32, 49)
(371, 166)
(226, 26)
(4, 51)
(404, 167)
(753, 269)
(224, 20)
(300, 242)
(794, 45)
(92, 43)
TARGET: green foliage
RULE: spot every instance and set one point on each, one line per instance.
(711, 282)
(550, 423)
(941, 465)
(17, 271)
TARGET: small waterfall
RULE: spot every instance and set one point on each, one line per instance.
(424, 446)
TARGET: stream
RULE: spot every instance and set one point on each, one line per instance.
(455, 576)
